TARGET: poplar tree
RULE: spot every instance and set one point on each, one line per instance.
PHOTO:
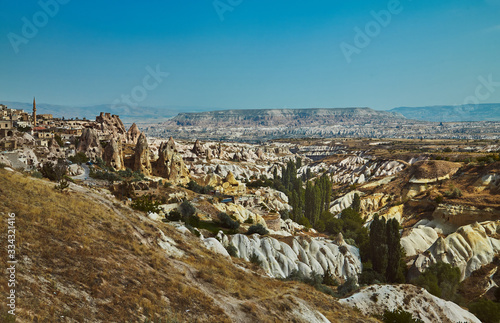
(378, 245)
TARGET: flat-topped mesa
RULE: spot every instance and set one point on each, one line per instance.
(133, 134)
(283, 117)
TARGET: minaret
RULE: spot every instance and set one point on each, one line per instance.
(34, 112)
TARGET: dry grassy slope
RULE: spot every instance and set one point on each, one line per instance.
(85, 258)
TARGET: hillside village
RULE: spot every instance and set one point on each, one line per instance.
(290, 209)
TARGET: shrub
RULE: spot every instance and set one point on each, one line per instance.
(187, 209)
(146, 203)
(35, 174)
(54, 172)
(439, 199)
(254, 259)
(284, 214)
(232, 250)
(195, 187)
(105, 175)
(174, 216)
(257, 228)
(316, 280)
(24, 129)
(59, 140)
(63, 184)
(370, 276)
(320, 226)
(454, 193)
(329, 279)
(497, 294)
(441, 280)
(485, 310)
(348, 287)
(305, 222)
(399, 316)
(227, 222)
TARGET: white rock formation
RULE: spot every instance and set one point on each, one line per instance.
(307, 255)
(418, 239)
(356, 169)
(215, 246)
(374, 300)
(5, 161)
(469, 248)
(75, 170)
(344, 202)
(240, 213)
(169, 245)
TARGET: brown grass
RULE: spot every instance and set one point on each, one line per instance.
(89, 259)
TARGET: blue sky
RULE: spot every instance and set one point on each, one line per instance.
(261, 54)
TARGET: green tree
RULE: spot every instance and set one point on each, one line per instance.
(378, 245)
(356, 203)
(441, 280)
(54, 172)
(227, 222)
(399, 316)
(485, 310)
(394, 273)
(187, 209)
(79, 158)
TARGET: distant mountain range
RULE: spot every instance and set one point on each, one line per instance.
(481, 112)
(443, 113)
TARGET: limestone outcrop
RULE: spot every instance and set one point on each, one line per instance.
(418, 240)
(113, 155)
(133, 134)
(343, 202)
(141, 156)
(89, 144)
(303, 254)
(376, 299)
(111, 126)
(228, 185)
(469, 248)
(55, 151)
(356, 169)
(432, 171)
(5, 161)
(170, 164)
(460, 215)
(241, 213)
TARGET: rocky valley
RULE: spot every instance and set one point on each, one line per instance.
(115, 225)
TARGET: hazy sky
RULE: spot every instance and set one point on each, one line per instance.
(250, 54)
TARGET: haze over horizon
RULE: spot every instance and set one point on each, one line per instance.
(244, 55)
